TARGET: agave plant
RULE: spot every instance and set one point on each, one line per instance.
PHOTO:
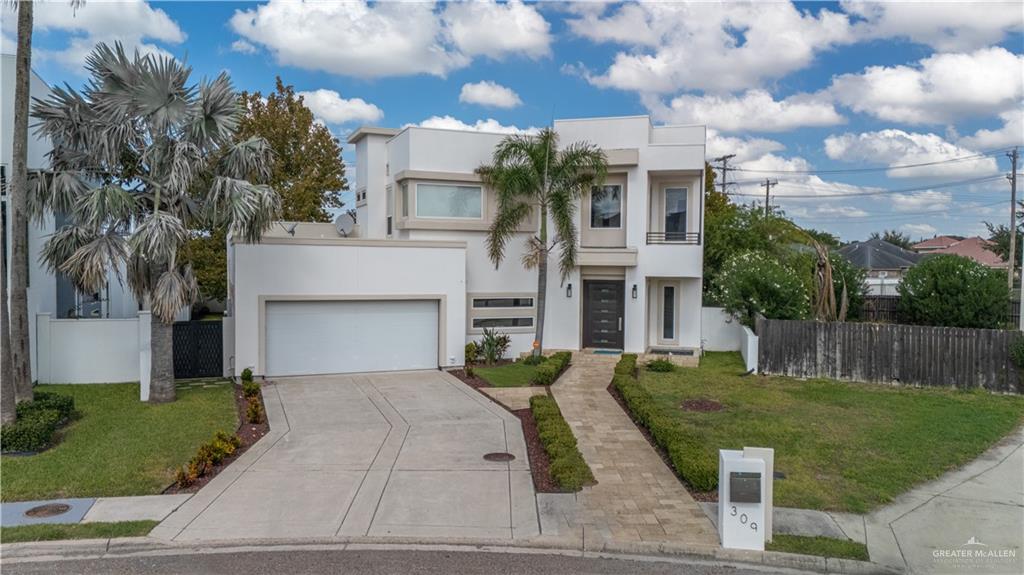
(139, 157)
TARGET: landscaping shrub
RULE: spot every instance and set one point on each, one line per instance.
(954, 291)
(247, 374)
(469, 371)
(33, 431)
(250, 389)
(754, 283)
(626, 365)
(661, 366)
(534, 359)
(547, 372)
(472, 352)
(42, 400)
(255, 413)
(494, 345)
(208, 455)
(691, 459)
(568, 468)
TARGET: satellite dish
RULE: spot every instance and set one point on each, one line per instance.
(345, 222)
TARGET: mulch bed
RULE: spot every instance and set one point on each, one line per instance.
(539, 461)
(709, 496)
(249, 434)
(474, 382)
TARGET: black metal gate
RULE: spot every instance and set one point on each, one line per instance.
(198, 349)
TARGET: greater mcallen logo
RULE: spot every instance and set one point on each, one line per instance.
(974, 551)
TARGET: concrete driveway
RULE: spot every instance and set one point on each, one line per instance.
(396, 454)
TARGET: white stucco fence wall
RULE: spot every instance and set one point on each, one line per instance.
(722, 332)
(92, 350)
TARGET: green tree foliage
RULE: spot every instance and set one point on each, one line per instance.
(954, 291)
(999, 235)
(735, 229)
(207, 253)
(894, 237)
(308, 171)
(824, 238)
(844, 275)
(757, 282)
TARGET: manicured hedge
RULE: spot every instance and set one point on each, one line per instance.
(42, 400)
(33, 431)
(567, 468)
(547, 372)
(686, 450)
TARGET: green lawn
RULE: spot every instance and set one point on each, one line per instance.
(820, 546)
(119, 445)
(842, 446)
(59, 532)
(516, 374)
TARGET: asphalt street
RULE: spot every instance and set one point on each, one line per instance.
(370, 562)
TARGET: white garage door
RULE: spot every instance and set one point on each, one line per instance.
(317, 337)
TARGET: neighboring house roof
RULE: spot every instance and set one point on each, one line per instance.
(975, 249)
(936, 243)
(878, 255)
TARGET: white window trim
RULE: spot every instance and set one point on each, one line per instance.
(415, 212)
(590, 208)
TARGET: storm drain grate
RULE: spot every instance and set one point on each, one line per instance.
(48, 510)
(499, 456)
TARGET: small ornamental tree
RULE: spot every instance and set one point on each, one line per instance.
(754, 283)
(954, 291)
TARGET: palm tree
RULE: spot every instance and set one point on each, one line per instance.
(140, 156)
(530, 173)
(19, 372)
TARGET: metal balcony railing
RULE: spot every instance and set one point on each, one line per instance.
(690, 238)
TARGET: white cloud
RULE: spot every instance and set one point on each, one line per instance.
(135, 24)
(329, 106)
(496, 30)
(744, 148)
(945, 26)
(828, 210)
(753, 111)
(489, 93)
(919, 230)
(939, 89)
(391, 38)
(1010, 134)
(928, 200)
(897, 147)
(243, 47)
(488, 125)
(707, 46)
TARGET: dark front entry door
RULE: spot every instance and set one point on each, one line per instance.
(603, 306)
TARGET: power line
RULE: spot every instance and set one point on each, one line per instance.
(878, 192)
(876, 169)
(968, 211)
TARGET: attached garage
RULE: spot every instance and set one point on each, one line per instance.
(350, 336)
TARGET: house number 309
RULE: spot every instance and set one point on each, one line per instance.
(743, 519)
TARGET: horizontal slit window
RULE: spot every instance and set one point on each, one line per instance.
(482, 322)
(502, 302)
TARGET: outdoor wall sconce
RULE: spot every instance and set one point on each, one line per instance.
(634, 291)
(568, 290)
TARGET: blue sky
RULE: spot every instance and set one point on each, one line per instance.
(790, 88)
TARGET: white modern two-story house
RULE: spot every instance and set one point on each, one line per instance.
(411, 284)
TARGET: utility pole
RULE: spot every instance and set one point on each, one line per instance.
(724, 160)
(767, 185)
(1013, 215)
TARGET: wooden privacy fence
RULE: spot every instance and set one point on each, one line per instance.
(889, 353)
(885, 309)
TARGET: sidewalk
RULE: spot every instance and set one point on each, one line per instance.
(95, 510)
(637, 497)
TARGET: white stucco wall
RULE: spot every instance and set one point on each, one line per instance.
(720, 331)
(87, 350)
(338, 269)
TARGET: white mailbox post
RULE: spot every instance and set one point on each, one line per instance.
(742, 499)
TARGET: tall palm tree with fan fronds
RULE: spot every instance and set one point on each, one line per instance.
(530, 174)
(139, 156)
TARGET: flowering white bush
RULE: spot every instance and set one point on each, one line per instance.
(755, 282)
(954, 291)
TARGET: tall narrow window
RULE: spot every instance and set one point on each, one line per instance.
(675, 213)
(606, 207)
(668, 306)
(405, 199)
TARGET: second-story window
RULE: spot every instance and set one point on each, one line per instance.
(449, 201)
(675, 212)
(606, 207)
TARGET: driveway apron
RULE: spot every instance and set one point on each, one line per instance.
(396, 454)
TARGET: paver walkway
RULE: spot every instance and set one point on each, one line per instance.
(637, 497)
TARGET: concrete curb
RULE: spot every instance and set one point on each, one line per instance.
(97, 548)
